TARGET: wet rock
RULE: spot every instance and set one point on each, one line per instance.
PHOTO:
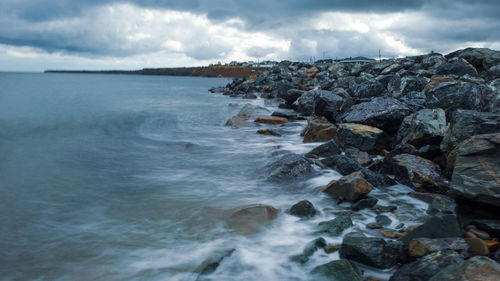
(481, 58)
(423, 246)
(237, 122)
(363, 137)
(373, 226)
(212, 263)
(455, 95)
(415, 101)
(383, 220)
(427, 126)
(332, 104)
(359, 156)
(250, 96)
(248, 219)
(290, 115)
(289, 166)
(325, 150)
(338, 270)
(370, 251)
(476, 175)
(418, 173)
(345, 165)
(382, 112)
(273, 120)
(493, 72)
(286, 92)
(303, 209)
(477, 246)
(467, 123)
(251, 110)
(349, 188)
(494, 105)
(475, 268)
(369, 89)
(442, 204)
(305, 103)
(336, 226)
(309, 250)
(456, 66)
(364, 204)
(384, 209)
(319, 130)
(426, 267)
(439, 226)
(268, 132)
(490, 226)
(412, 84)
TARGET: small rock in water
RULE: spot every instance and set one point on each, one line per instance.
(325, 150)
(309, 250)
(336, 226)
(423, 246)
(248, 219)
(289, 167)
(211, 263)
(339, 270)
(268, 132)
(272, 120)
(383, 220)
(373, 226)
(349, 188)
(303, 209)
(319, 130)
(364, 204)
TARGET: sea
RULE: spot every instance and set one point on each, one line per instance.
(128, 177)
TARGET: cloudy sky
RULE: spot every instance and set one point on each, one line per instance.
(131, 34)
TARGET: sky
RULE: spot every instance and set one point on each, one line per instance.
(36, 35)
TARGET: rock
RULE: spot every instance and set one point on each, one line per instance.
(319, 130)
(268, 132)
(481, 58)
(493, 72)
(305, 103)
(415, 101)
(251, 110)
(336, 226)
(384, 209)
(250, 96)
(248, 219)
(345, 165)
(359, 156)
(467, 123)
(286, 92)
(423, 246)
(474, 269)
(477, 246)
(373, 226)
(418, 173)
(363, 137)
(456, 66)
(325, 150)
(382, 112)
(436, 80)
(289, 166)
(349, 188)
(309, 250)
(426, 267)
(427, 126)
(441, 204)
(370, 251)
(212, 263)
(311, 72)
(338, 270)
(439, 226)
(369, 89)
(494, 105)
(383, 220)
(455, 95)
(273, 120)
(290, 115)
(490, 226)
(480, 234)
(332, 104)
(303, 209)
(364, 204)
(239, 121)
(476, 175)
(412, 84)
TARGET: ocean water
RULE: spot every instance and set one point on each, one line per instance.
(116, 177)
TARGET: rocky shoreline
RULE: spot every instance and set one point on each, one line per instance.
(429, 122)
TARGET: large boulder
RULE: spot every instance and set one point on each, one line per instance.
(481, 58)
(419, 173)
(427, 126)
(345, 166)
(412, 84)
(371, 251)
(326, 149)
(289, 166)
(319, 130)
(332, 104)
(338, 270)
(493, 72)
(303, 209)
(248, 219)
(466, 123)
(290, 96)
(473, 269)
(369, 89)
(426, 267)
(476, 175)
(305, 103)
(382, 112)
(455, 95)
(349, 188)
(363, 137)
(456, 66)
(438, 226)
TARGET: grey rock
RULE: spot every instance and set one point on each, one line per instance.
(419, 173)
(338, 270)
(363, 137)
(455, 95)
(365, 203)
(289, 167)
(456, 66)
(303, 209)
(475, 268)
(336, 226)
(327, 149)
(438, 226)
(309, 250)
(427, 126)
(332, 104)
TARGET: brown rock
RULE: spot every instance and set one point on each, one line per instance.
(273, 120)
(349, 188)
(420, 247)
(493, 245)
(436, 80)
(478, 247)
(249, 218)
(319, 130)
(312, 71)
(331, 248)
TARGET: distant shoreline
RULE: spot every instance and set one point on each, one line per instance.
(204, 71)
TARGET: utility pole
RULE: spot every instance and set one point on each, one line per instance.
(379, 56)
